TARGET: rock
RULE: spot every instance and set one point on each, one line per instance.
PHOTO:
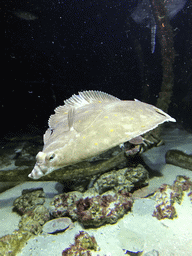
(12, 244)
(65, 205)
(179, 158)
(29, 199)
(100, 210)
(164, 203)
(57, 225)
(33, 217)
(84, 244)
(168, 195)
(34, 214)
(123, 179)
(93, 210)
(32, 221)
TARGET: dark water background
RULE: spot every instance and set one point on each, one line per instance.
(54, 49)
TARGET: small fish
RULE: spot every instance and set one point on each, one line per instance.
(89, 124)
(25, 15)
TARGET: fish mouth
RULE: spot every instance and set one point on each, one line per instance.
(36, 173)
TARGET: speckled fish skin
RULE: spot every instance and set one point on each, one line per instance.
(89, 124)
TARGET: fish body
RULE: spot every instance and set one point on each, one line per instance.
(89, 124)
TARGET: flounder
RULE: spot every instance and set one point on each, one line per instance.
(89, 124)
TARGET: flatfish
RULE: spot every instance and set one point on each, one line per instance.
(89, 124)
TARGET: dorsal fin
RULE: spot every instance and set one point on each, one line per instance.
(61, 113)
(84, 98)
(88, 97)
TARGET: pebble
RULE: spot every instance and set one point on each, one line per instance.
(57, 225)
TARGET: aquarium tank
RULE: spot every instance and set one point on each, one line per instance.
(96, 129)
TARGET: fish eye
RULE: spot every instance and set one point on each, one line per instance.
(51, 157)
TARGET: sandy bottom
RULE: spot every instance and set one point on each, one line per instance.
(136, 231)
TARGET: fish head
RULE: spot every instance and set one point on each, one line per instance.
(45, 164)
